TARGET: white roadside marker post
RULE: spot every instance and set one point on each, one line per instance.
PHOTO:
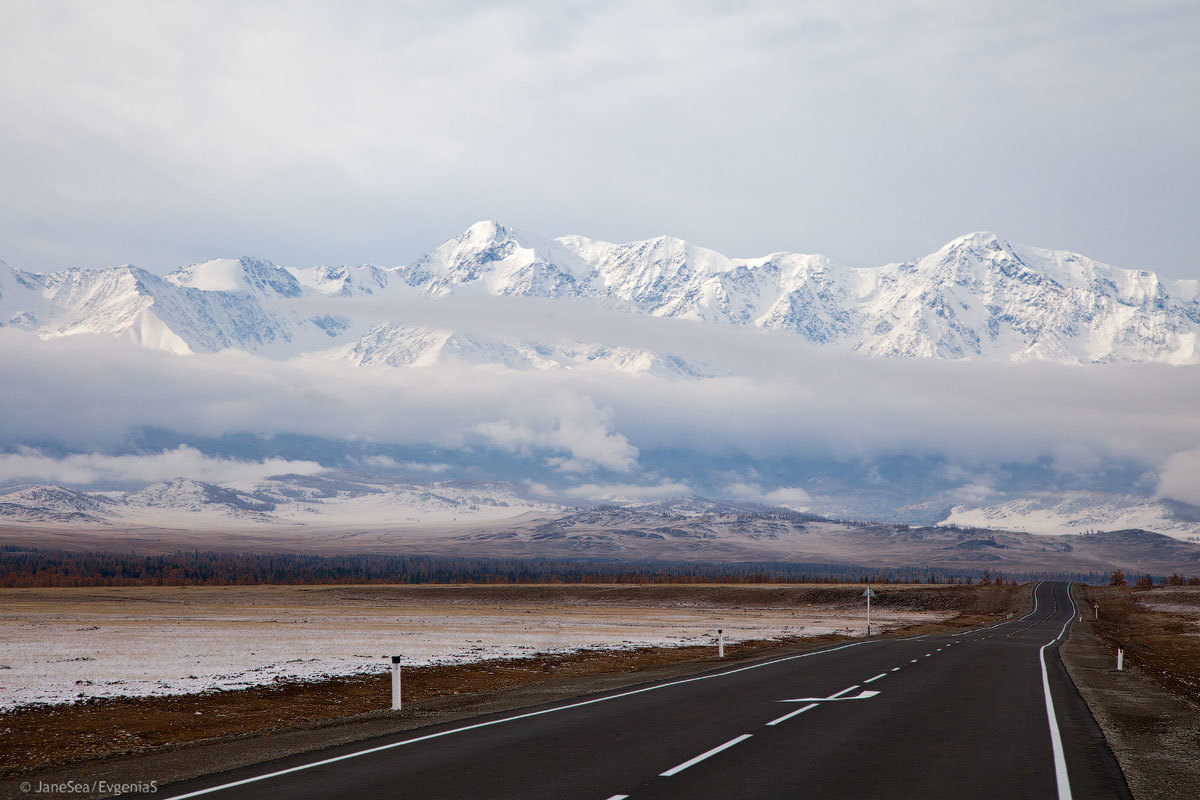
(395, 683)
(1120, 659)
(720, 643)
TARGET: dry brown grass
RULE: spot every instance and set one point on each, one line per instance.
(1163, 645)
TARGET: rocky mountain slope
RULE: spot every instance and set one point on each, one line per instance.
(978, 297)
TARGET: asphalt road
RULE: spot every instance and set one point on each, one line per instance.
(973, 714)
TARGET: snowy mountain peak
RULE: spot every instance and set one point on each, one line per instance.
(485, 231)
(244, 275)
(978, 240)
(497, 260)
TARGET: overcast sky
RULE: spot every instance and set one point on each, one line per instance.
(167, 133)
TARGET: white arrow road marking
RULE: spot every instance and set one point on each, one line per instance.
(865, 694)
(862, 696)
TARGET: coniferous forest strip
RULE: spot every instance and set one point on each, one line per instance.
(27, 568)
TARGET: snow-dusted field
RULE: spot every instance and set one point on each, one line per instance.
(1181, 601)
(63, 645)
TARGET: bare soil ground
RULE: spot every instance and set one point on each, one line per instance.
(1150, 711)
(36, 738)
(1159, 630)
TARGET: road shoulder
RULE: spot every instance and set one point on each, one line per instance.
(1154, 734)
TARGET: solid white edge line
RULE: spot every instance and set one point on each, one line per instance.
(702, 756)
(789, 715)
(489, 723)
(877, 677)
(1060, 761)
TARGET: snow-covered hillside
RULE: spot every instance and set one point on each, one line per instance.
(416, 346)
(1077, 512)
(978, 297)
(283, 500)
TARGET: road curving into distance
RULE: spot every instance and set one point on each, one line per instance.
(984, 713)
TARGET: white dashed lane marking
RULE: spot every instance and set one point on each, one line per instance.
(786, 717)
(702, 756)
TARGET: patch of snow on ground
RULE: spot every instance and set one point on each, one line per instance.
(122, 648)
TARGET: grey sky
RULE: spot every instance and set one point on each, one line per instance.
(166, 133)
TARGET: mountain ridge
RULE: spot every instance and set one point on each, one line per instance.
(977, 297)
(494, 520)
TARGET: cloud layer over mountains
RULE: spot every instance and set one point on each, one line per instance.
(89, 395)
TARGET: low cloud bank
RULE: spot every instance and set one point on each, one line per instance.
(88, 394)
(1179, 478)
(30, 464)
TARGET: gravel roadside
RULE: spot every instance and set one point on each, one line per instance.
(1154, 733)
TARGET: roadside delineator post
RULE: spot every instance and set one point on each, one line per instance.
(720, 643)
(1120, 659)
(395, 683)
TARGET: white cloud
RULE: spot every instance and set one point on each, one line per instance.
(789, 496)
(1076, 459)
(387, 462)
(86, 394)
(628, 492)
(792, 497)
(577, 427)
(1180, 477)
(974, 493)
(183, 462)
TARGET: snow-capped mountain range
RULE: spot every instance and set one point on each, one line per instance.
(978, 297)
(1079, 511)
(290, 500)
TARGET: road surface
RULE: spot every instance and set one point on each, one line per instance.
(986, 713)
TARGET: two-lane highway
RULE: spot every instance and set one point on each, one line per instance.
(984, 713)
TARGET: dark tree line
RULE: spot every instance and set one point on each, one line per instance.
(24, 567)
